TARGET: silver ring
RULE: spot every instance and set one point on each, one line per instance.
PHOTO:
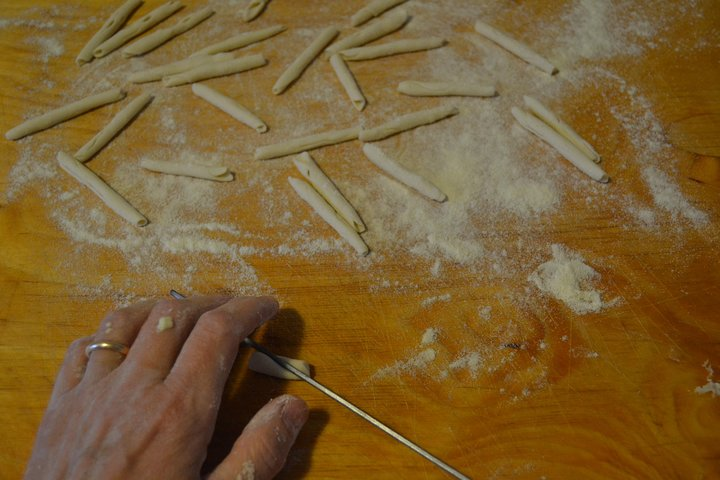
(115, 347)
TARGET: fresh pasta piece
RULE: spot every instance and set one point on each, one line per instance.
(372, 9)
(111, 25)
(254, 9)
(205, 172)
(403, 175)
(513, 46)
(136, 28)
(445, 89)
(157, 73)
(229, 106)
(379, 29)
(119, 121)
(406, 122)
(392, 48)
(325, 187)
(157, 38)
(302, 61)
(348, 82)
(561, 144)
(215, 69)
(547, 116)
(322, 208)
(239, 41)
(109, 196)
(59, 115)
(309, 142)
(261, 363)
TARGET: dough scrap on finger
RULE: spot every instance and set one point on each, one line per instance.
(261, 363)
(298, 66)
(242, 40)
(109, 196)
(392, 48)
(157, 73)
(159, 37)
(325, 187)
(347, 80)
(379, 29)
(205, 172)
(372, 9)
(327, 213)
(229, 106)
(407, 122)
(215, 69)
(402, 174)
(114, 23)
(64, 113)
(445, 89)
(561, 144)
(308, 142)
(515, 47)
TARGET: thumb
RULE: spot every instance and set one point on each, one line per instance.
(260, 451)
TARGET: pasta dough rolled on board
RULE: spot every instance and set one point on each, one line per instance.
(561, 144)
(119, 121)
(547, 116)
(205, 172)
(109, 196)
(254, 9)
(325, 187)
(347, 80)
(229, 106)
(392, 48)
(136, 28)
(406, 122)
(302, 61)
(372, 9)
(261, 363)
(155, 39)
(239, 41)
(308, 142)
(157, 73)
(445, 89)
(62, 114)
(111, 25)
(322, 208)
(513, 46)
(215, 69)
(379, 29)
(402, 174)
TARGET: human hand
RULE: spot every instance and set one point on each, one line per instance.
(152, 414)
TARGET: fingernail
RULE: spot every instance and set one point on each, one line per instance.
(294, 413)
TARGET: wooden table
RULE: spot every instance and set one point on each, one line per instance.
(557, 395)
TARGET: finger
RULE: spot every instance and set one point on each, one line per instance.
(262, 448)
(120, 326)
(165, 331)
(205, 360)
(72, 368)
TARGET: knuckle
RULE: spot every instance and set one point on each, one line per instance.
(168, 306)
(216, 322)
(78, 345)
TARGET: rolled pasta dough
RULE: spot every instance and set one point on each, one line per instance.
(348, 82)
(382, 27)
(155, 39)
(372, 9)
(111, 25)
(298, 65)
(515, 47)
(241, 40)
(254, 9)
(392, 48)
(229, 106)
(261, 363)
(215, 69)
(309, 142)
(157, 73)
(205, 172)
(406, 122)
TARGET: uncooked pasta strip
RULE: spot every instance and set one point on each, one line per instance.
(261, 363)
(205, 172)
(109, 196)
(215, 69)
(59, 115)
(157, 73)
(136, 28)
(239, 41)
(229, 106)
(403, 175)
(322, 208)
(325, 187)
(515, 47)
(155, 39)
(445, 89)
(561, 144)
(309, 142)
(406, 122)
(347, 80)
(392, 48)
(298, 65)
(119, 121)
(372, 9)
(254, 9)
(111, 25)
(382, 27)
(547, 116)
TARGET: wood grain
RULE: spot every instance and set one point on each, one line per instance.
(606, 395)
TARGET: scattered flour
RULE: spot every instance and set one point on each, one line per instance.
(667, 196)
(711, 386)
(432, 300)
(430, 336)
